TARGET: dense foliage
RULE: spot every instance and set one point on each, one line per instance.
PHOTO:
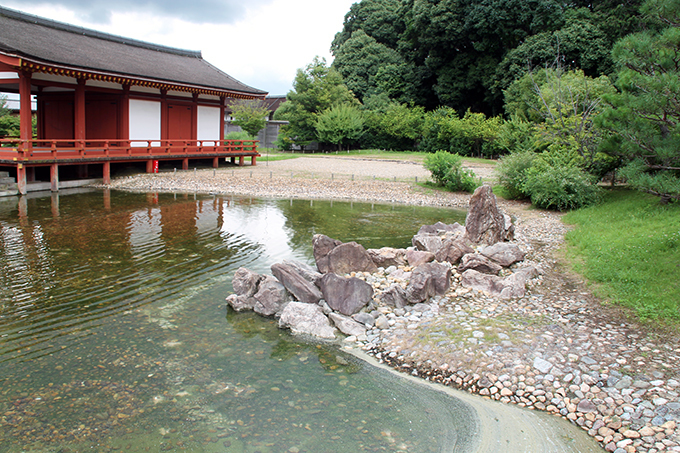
(535, 82)
(463, 53)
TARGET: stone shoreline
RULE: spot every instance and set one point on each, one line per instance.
(556, 349)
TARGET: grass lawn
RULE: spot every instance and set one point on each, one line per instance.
(418, 156)
(629, 248)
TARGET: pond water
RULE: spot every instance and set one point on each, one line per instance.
(114, 335)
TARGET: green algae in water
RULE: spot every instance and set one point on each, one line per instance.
(114, 335)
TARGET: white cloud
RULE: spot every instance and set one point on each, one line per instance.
(263, 49)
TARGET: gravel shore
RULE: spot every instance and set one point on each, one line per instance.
(557, 349)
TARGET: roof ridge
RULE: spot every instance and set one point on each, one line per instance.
(19, 15)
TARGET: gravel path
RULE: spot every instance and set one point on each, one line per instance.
(557, 349)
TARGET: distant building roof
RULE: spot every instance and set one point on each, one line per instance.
(48, 42)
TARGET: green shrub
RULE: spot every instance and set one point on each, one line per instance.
(239, 135)
(447, 171)
(512, 171)
(560, 187)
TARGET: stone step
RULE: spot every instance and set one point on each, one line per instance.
(4, 174)
(7, 180)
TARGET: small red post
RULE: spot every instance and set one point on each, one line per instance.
(240, 161)
(253, 160)
(54, 177)
(106, 173)
(185, 163)
(21, 179)
(216, 162)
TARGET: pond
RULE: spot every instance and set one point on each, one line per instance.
(114, 333)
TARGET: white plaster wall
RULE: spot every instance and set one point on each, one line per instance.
(145, 121)
(208, 123)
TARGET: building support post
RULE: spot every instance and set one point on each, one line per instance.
(216, 162)
(253, 160)
(223, 109)
(54, 177)
(149, 166)
(240, 161)
(106, 173)
(21, 179)
(185, 163)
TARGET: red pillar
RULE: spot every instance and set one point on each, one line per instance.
(54, 177)
(194, 118)
(223, 109)
(124, 114)
(149, 166)
(79, 112)
(25, 115)
(106, 173)
(216, 162)
(253, 160)
(185, 163)
(164, 115)
(21, 179)
(240, 161)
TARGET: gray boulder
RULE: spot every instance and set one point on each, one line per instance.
(346, 325)
(394, 296)
(387, 256)
(427, 242)
(509, 228)
(345, 295)
(296, 284)
(506, 288)
(484, 223)
(322, 246)
(304, 270)
(453, 250)
(416, 257)
(271, 297)
(306, 319)
(241, 302)
(480, 263)
(350, 257)
(503, 253)
(364, 318)
(428, 280)
(245, 282)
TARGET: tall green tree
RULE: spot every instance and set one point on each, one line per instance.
(645, 116)
(250, 114)
(316, 88)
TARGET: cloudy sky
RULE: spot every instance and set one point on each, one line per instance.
(259, 42)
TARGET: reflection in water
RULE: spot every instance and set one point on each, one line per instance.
(113, 332)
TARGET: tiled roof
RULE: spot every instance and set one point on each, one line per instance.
(46, 41)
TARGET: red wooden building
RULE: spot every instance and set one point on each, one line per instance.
(104, 99)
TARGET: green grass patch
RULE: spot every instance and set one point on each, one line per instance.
(629, 246)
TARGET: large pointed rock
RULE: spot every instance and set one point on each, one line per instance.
(428, 280)
(306, 319)
(296, 284)
(271, 297)
(480, 263)
(503, 253)
(345, 295)
(484, 223)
